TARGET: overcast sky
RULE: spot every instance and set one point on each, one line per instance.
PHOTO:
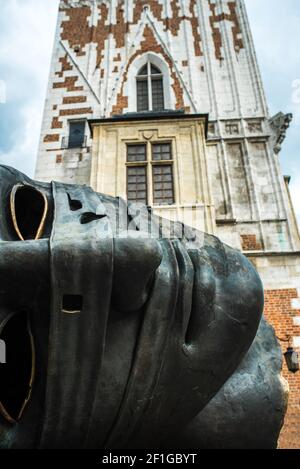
(26, 38)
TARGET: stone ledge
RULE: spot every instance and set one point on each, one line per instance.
(271, 253)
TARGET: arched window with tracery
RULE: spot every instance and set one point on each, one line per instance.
(150, 88)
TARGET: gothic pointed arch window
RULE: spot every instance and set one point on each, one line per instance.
(150, 88)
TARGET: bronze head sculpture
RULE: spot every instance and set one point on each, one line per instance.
(115, 338)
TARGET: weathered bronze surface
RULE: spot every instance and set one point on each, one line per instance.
(115, 338)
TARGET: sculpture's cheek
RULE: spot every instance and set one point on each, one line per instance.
(24, 273)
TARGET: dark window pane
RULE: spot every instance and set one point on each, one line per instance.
(142, 95)
(157, 170)
(154, 70)
(163, 193)
(144, 70)
(137, 191)
(161, 152)
(136, 153)
(76, 135)
(157, 94)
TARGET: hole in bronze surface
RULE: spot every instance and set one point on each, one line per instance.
(72, 304)
(74, 204)
(88, 217)
(16, 374)
(29, 209)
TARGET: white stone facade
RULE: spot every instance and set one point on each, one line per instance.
(205, 52)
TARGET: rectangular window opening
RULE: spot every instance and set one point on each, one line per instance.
(76, 134)
(161, 151)
(136, 153)
(142, 95)
(137, 184)
(162, 183)
(157, 94)
(163, 193)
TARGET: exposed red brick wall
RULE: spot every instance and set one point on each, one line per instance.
(71, 112)
(216, 33)
(195, 29)
(249, 243)
(56, 123)
(120, 29)
(280, 314)
(149, 44)
(78, 32)
(65, 66)
(117, 58)
(69, 84)
(173, 24)
(51, 138)
(76, 29)
(155, 7)
(122, 103)
(74, 99)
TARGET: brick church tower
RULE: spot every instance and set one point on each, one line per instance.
(162, 102)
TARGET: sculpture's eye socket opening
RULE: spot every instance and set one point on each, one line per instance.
(17, 368)
(29, 208)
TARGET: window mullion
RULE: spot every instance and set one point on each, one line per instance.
(150, 175)
(149, 87)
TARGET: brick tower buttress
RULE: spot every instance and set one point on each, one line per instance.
(204, 58)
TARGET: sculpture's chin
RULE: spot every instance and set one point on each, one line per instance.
(17, 367)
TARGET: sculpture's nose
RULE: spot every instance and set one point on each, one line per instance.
(24, 272)
(135, 263)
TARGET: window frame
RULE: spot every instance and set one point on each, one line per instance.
(135, 164)
(156, 163)
(150, 163)
(70, 123)
(130, 85)
(148, 78)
